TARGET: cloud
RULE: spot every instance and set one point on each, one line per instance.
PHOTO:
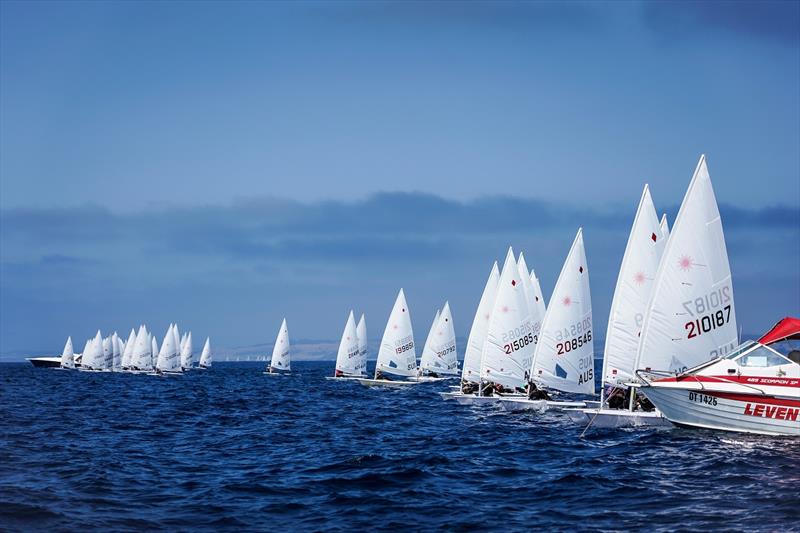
(774, 21)
(234, 270)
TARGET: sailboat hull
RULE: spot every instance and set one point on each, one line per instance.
(45, 362)
(617, 418)
(523, 404)
(386, 383)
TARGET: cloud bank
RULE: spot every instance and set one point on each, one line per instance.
(234, 271)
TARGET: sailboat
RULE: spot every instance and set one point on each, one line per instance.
(538, 297)
(168, 358)
(471, 367)
(442, 361)
(428, 356)
(397, 355)
(127, 353)
(116, 350)
(508, 349)
(564, 351)
(93, 359)
(361, 333)
(141, 359)
(68, 355)
(281, 362)
(205, 355)
(187, 356)
(632, 295)
(154, 350)
(348, 358)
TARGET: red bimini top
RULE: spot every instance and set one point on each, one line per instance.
(787, 328)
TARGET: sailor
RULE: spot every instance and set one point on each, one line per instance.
(535, 393)
(380, 375)
(617, 399)
(338, 373)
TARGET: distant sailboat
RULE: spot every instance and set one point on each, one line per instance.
(348, 358)
(397, 355)
(116, 348)
(108, 354)
(127, 353)
(93, 359)
(361, 333)
(141, 355)
(442, 345)
(426, 359)
(664, 227)
(281, 361)
(471, 369)
(205, 355)
(68, 355)
(168, 357)
(187, 356)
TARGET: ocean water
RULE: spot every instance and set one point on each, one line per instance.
(233, 450)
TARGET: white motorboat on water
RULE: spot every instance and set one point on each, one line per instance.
(45, 362)
(397, 357)
(754, 389)
(281, 362)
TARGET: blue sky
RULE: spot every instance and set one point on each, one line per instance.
(226, 164)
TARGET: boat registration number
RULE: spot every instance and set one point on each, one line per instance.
(702, 398)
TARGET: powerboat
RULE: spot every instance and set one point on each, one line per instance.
(754, 389)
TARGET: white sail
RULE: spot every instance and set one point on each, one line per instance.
(510, 341)
(127, 354)
(471, 370)
(168, 357)
(177, 339)
(347, 359)
(564, 357)
(691, 317)
(361, 331)
(154, 350)
(108, 354)
(538, 296)
(632, 293)
(443, 344)
(140, 352)
(397, 354)
(281, 358)
(205, 355)
(187, 355)
(664, 226)
(93, 358)
(428, 356)
(116, 350)
(531, 296)
(68, 355)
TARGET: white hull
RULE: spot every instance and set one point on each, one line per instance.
(617, 418)
(474, 399)
(753, 413)
(342, 378)
(386, 383)
(426, 379)
(523, 404)
(277, 373)
(45, 362)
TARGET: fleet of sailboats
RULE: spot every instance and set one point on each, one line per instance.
(672, 352)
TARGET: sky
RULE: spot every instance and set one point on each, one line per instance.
(224, 165)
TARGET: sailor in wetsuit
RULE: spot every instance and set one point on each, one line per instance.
(535, 393)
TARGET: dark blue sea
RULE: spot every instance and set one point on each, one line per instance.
(233, 450)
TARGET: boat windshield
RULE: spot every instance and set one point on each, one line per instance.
(762, 357)
(746, 345)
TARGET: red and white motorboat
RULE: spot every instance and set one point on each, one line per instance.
(754, 389)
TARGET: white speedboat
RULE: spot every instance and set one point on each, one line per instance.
(755, 389)
(45, 362)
